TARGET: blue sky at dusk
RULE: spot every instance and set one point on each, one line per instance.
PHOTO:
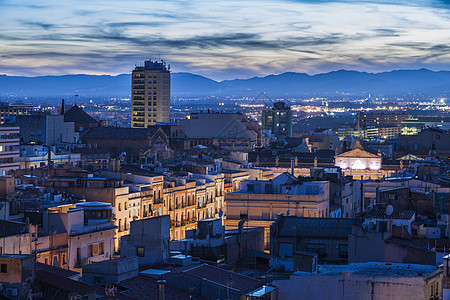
(223, 39)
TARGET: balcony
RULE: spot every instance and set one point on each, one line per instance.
(174, 224)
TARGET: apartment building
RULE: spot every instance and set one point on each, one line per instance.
(180, 197)
(278, 120)
(74, 235)
(150, 94)
(8, 110)
(191, 198)
(9, 140)
(367, 119)
(258, 202)
(107, 190)
(231, 130)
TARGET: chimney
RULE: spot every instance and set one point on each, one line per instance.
(161, 289)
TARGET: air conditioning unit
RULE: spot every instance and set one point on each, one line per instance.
(11, 292)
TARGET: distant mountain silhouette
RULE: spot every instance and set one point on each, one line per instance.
(332, 84)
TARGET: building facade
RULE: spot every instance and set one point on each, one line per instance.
(150, 94)
(278, 120)
(9, 140)
(258, 202)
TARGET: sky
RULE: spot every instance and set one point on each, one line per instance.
(223, 39)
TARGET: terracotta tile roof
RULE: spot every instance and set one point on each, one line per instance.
(120, 133)
(77, 115)
(377, 213)
(316, 227)
(142, 288)
(54, 279)
(58, 271)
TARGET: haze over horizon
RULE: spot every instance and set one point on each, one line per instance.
(223, 40)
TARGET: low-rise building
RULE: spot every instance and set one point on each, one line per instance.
(364, 281)
(9, 140)
(36, 156)
(258, 202)
(148, 240)
(86, 228)
(327, 237)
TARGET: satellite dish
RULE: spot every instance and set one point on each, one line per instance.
(389, 210)
(220, 214)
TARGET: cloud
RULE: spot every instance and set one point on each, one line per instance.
(40, 25)
(224, 38)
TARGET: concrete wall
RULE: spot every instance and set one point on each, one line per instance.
(16, 244)
(372, 246)
(337, 287)
(153, 234)
(111, 271)
(19, 269)
(83, 242)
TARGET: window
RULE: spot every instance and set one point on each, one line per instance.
(343, 251)
(140, 251)
(316, 248)
(243, 216)
(78, 254)
(101, 248)
(120, 206)
(63, 259)
(91, 250)
(4, 268)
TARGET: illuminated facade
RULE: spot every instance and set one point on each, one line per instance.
(358, 159)
(359, 163)
(150, 94)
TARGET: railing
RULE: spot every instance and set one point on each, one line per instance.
(93, 228)
(81, 262)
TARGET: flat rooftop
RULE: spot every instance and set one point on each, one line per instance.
(373, 269)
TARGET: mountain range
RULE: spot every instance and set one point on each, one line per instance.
(333, 84)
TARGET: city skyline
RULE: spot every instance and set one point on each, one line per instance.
(223, 40)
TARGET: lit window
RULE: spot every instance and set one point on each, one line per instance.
(140, 251)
